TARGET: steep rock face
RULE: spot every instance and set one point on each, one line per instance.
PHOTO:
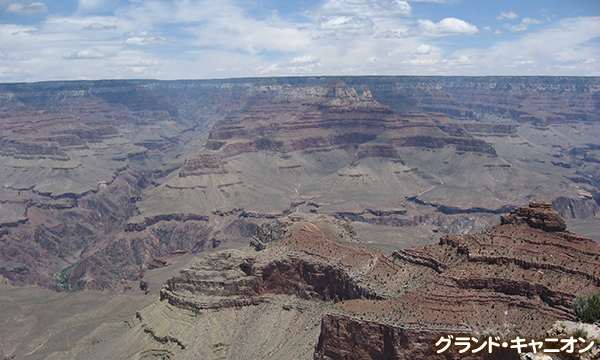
(72, 169)
(202, 164)
(75, 159)
(289, 261)
(300, 147)
(538, 99)
(515, 278)
(279, 229)
(129, 254)
(333, 115)
(344, 337)
(55, 233)
(581, 208)
(537, 215)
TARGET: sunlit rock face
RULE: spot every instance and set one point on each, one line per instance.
(537, 214)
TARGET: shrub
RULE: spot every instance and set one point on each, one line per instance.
(580, 333)
(62, 277)
(587, 308)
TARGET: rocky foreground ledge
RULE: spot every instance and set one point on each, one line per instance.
(307, 289)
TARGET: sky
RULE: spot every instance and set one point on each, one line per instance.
(203, 39)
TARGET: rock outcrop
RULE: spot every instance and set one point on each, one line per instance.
(515, 279)
(202, 164)
(538, 215)
(290, 259)
(345, 337)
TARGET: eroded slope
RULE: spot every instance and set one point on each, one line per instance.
(307, 289)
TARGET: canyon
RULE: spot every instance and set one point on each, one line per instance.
(107, 182)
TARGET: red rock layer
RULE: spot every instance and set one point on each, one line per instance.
(513, 279)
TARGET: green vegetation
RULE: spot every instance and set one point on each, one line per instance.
(587, 308)
(62, 277)
(579, 332)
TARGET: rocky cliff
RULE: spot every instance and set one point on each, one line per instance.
(100, 178)
(307, 289)
(517, 278)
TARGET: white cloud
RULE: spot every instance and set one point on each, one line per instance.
(358, 17)
(521, 62)
(363, 8)
(139, 61)
(31, 9)
(530, 21)
(305, 59)
(99, 27)
(363, 38)
(305, 64)
(518, 27)
(238, 32)
(89, 54)
(420, 62)
(356, 24)
(388, 34)
(524, 25)
(507, 15)
(547, 16)
(144, 40)
(447, 26)
(560, 50)
(423, 49)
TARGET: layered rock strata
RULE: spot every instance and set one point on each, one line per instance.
(538, 215)
(515, 279)
(307, 256)
(391, 151)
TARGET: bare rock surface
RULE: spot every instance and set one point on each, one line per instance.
(537, 215)
(103, 179)
(312, 291)
(513, 279)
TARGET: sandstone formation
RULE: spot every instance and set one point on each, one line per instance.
(537, 214)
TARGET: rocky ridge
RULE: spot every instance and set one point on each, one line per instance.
(357, 303)
(537, 215)
(513, 279)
